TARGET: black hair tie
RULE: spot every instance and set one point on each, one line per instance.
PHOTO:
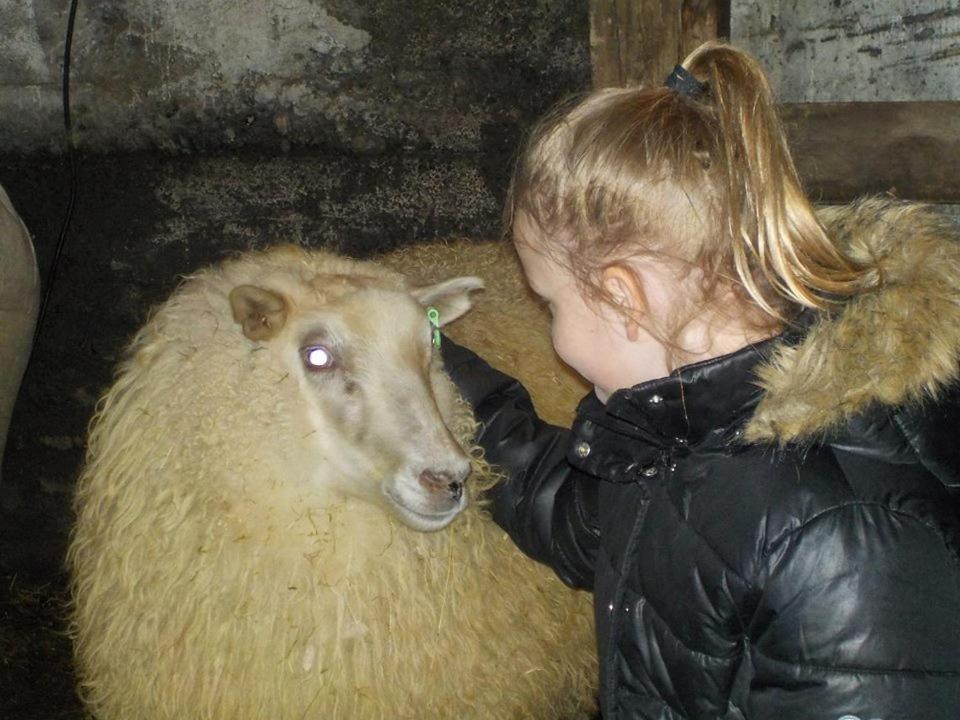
(683, 82)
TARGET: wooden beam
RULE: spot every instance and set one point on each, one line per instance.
(844, 150)
(639, 41)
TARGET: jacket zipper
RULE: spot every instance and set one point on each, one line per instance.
(617, 600)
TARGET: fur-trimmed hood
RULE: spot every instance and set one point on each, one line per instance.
(896, 344)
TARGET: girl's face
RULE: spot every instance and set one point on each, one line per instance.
(589, 337)
(606, 348)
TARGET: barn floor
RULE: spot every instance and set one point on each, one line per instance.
(36, 674)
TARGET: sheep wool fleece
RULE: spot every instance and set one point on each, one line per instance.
(773, 533)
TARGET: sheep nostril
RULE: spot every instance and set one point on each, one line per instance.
(434, 481)
(442, 482)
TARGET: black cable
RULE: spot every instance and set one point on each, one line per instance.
(72, 158)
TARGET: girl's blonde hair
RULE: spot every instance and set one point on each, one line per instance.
(707, 181)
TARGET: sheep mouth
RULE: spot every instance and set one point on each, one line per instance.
(425, 521)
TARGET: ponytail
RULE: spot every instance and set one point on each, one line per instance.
(777, 241)
(695, 177)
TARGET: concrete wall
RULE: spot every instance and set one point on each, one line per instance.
(368, 76)
(854, 50)
(365, 76)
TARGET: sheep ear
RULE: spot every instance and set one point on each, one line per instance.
(261, 313)
(450, 297)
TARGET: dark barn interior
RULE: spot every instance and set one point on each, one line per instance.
(203, 128)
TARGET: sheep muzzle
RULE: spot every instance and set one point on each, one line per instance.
(430, 499)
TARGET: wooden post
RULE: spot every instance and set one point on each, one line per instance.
(639, 41)
(700, 21)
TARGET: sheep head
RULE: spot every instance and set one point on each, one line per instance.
(376, 401)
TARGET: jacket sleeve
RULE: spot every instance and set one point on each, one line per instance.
(545, 505)
(858, 615)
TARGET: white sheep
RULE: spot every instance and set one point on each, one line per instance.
(249, 535)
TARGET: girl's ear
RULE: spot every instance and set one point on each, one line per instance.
(451, 297)
(623, 284)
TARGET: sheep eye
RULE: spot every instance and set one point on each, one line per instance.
(317, 357)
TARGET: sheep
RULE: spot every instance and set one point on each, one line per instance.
(19, 303)
(271, 520)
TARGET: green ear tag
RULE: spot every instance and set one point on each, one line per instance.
(433, 315)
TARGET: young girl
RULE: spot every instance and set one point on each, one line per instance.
(762, 490)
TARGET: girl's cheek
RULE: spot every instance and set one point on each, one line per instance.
(562, 347)
(556, 337)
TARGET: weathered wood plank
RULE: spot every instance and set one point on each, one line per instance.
(639, 41)
(604, 44)
(844, 150)
(855, 50)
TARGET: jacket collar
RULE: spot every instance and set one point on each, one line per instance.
(644, 427)
(703, 404)
(698, 401)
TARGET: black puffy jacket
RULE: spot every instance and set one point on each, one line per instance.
(774, 533)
